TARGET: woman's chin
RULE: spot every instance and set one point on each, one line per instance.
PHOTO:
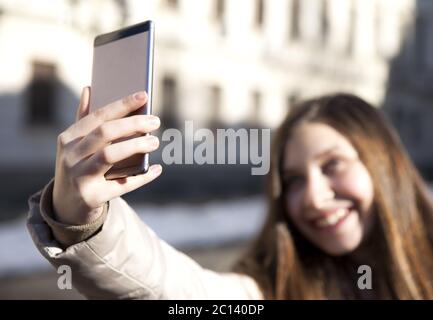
(340, 247)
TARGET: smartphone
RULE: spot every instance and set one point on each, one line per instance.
(122, 65)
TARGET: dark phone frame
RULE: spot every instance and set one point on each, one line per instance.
(146, 109)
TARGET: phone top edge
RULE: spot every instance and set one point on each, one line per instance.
(123, 33)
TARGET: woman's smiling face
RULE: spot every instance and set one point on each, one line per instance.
(328, 190)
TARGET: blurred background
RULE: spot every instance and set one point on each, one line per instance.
(220, 63)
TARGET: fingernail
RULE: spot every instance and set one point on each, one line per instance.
(154, 121)
(153, 141)
(139, 95)
(156, 168)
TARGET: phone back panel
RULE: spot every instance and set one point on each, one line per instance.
(122, 65)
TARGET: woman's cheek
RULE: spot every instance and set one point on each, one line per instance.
(357, 184)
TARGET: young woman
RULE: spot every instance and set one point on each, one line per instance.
(342, 194)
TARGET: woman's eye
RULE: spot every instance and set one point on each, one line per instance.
(332, 166)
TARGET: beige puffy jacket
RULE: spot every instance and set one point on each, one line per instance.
(120, 257)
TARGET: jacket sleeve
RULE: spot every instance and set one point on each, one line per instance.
(125, 259)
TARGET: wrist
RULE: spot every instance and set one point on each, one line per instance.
(80, 215)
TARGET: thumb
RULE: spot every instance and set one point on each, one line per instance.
(83, 108)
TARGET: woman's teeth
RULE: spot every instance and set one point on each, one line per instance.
(332, 219)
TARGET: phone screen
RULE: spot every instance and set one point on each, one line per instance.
(122, 65)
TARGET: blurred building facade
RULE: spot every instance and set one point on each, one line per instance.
(409, 96)
(216, 61)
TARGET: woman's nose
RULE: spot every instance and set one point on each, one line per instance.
(318, 190)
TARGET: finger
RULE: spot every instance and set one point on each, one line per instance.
(83, 108)
(114, 110)
(103, 160)
(122, 186)
(113, 130)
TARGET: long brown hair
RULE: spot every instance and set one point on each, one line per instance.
(287, 266)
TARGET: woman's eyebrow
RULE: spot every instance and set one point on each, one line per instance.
(326, 152)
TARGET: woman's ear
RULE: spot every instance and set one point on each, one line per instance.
(83, 108)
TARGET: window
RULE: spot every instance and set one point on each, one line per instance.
(294, 21)
(259, 14)
(218, 16)
(123, 10)
(324, 21)
(42, 95)
(174, 4)
(219, 10)
(169, 102)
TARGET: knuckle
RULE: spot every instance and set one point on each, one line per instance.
(99, 114)
(63, 165)
(105, 156)
(128, 101)
(67, 164)
(103, 132)
(61, 140)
